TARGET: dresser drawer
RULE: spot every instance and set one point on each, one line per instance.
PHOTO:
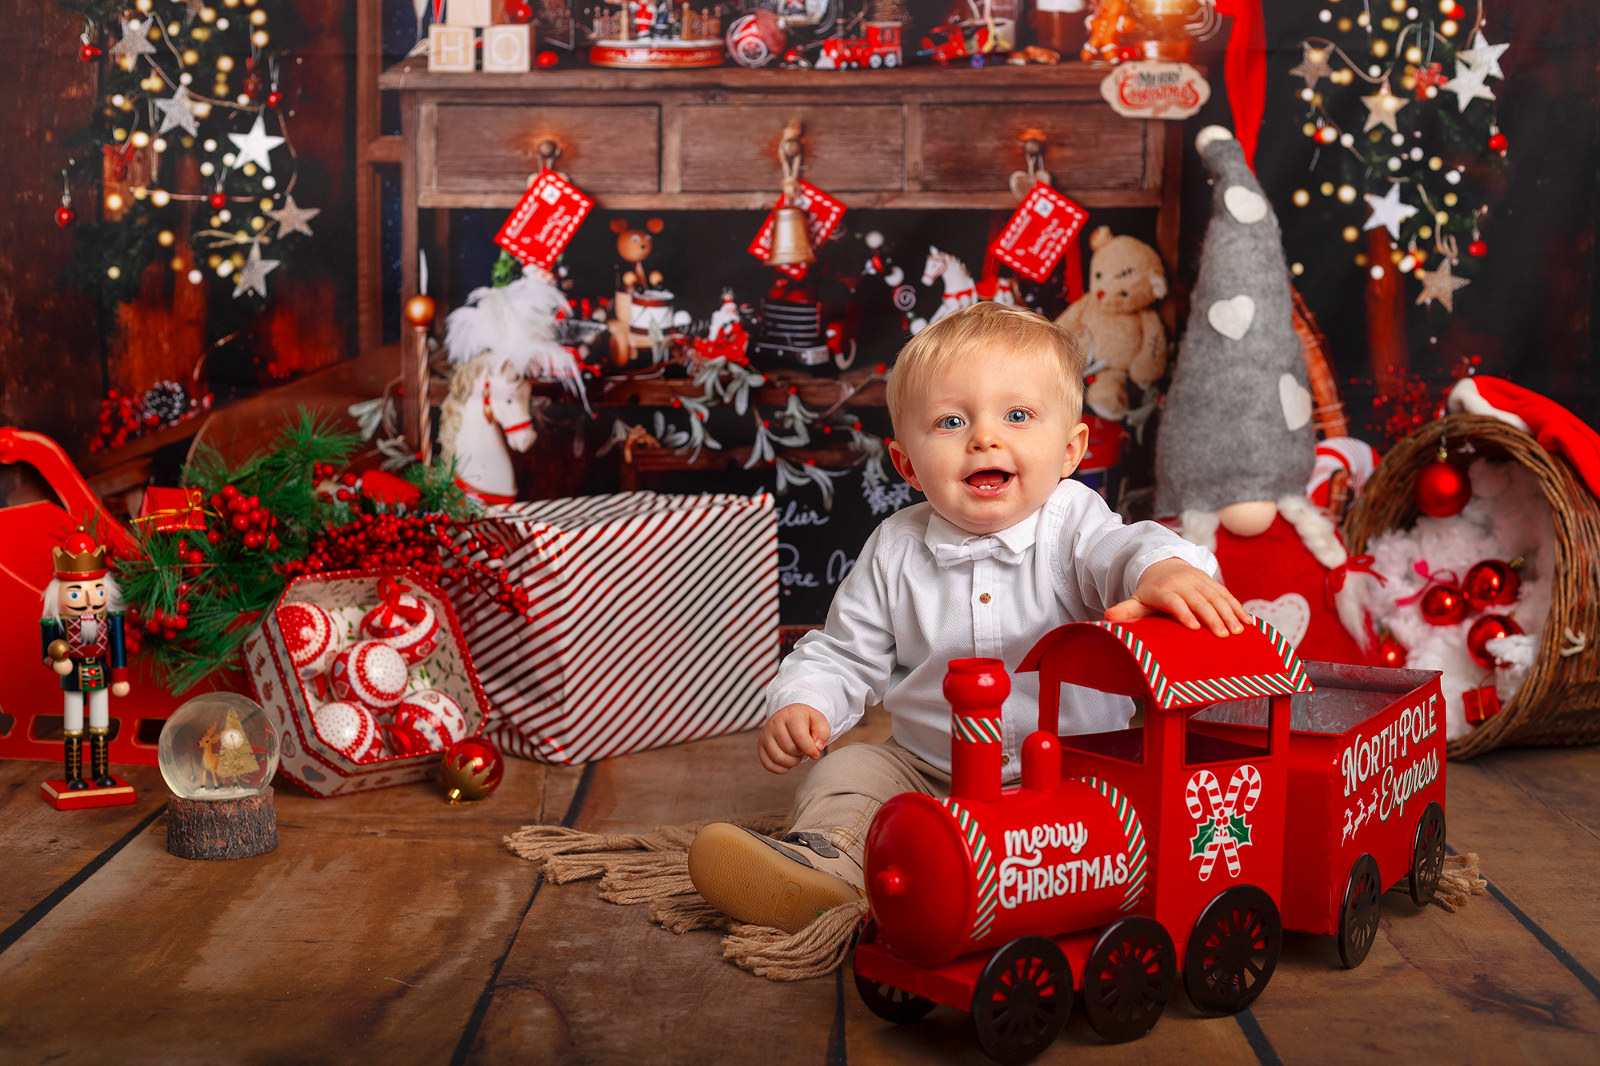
(472, 154)
(848, 148)
(1088, 147)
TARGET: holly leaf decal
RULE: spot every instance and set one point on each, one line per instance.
(1239, 828)
(1202, 838)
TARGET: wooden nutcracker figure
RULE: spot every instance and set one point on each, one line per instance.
(81, 638)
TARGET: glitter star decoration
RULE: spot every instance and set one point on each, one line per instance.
(1313, 65)
(135, 41)
(1441, 285)
(1468, 86)
(1388, 211)
(1382, 107)
(1484, 57)
(255, 146)
(253, 275)
(178, 111)
(292, 218)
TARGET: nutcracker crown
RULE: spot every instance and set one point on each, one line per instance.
(79, 558)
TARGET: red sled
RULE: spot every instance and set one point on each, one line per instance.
(1126, 860)
(30, 709)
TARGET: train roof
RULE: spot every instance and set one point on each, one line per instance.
(1175, 666)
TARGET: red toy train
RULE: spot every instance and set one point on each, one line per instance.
(1129, 857)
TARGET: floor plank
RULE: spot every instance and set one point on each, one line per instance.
(374, 925)
(592, 982)
(44, 847)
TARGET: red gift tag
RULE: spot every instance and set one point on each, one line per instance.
(1038, 233)
(823, 213)
(544, 220)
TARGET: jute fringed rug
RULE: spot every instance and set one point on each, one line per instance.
(653, 867)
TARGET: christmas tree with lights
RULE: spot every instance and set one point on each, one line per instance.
(1400, 107)
(189, 145)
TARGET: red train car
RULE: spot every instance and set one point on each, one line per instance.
(880, 47)
(1123, 859)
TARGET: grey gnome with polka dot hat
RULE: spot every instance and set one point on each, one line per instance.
(1236, 434)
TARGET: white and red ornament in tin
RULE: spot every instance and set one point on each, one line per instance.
(348, 728)
(311, 635)
(370, 673)
(404, 621)
(429, 720)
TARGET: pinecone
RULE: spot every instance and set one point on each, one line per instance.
(167, 402)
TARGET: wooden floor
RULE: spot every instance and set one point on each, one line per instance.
(391, 927)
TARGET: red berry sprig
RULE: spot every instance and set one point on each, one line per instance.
(244, 516)
(435, 546)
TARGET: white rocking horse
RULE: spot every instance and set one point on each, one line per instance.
(498, 341)
(959, 289)
(487, 412)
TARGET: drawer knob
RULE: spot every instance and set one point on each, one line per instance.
(549, 152)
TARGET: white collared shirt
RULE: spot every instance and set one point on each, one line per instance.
(898, 617)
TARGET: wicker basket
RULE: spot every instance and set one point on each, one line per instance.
(1559, 701)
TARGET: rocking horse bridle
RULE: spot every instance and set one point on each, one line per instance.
(488, 414)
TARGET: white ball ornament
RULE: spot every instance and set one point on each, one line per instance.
(348, 728)
(370, 673)
(429, 720)
(408, 624)
(310, 635)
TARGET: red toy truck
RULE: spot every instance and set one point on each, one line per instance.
(1123, 859)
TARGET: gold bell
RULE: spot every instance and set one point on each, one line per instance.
(790, 244)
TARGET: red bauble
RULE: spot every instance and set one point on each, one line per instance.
(519, 12)
(274, 98)
(470, 770)
(218, 200)
(65, 216)
(1456, 11)
(88, 53)
(1441, 489)
(1491, 583)
(1478, 249)
(1443, 605)
(1489, 627)
(548, 59)
(1497, 142)
(1391, 652)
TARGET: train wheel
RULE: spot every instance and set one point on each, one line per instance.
(1358, 914)
(1022, 999)
(1427, 855)
(1232, 950)
(1129, 979)
(886, 1001)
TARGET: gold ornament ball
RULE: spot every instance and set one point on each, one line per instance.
(419, 310)
(58, 650)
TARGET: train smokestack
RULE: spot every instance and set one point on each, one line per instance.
(976, 689)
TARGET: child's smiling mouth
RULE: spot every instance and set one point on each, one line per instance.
(990, 482)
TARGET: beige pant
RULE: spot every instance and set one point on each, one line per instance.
(845, 789)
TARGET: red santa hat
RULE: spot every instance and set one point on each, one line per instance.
(1553, 426)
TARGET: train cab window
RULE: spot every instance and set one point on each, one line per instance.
(1228, 732)
(1080, 705)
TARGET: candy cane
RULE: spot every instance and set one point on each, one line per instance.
(1244, 790)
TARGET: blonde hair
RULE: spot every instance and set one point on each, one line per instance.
(983, 327)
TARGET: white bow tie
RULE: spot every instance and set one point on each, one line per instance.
(980, 548)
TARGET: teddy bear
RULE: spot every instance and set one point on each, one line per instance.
(1113, 320)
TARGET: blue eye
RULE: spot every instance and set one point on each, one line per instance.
(951, 422)
(1017, 415)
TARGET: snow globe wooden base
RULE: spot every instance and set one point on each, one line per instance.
(218, 753)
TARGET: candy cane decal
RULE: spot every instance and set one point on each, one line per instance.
(1219, 821)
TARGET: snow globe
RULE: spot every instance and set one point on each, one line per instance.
(218, 753)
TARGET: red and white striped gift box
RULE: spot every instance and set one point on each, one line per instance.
(655, 621)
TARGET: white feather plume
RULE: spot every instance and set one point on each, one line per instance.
(518, 323)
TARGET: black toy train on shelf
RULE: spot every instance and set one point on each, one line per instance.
(1251, 793)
